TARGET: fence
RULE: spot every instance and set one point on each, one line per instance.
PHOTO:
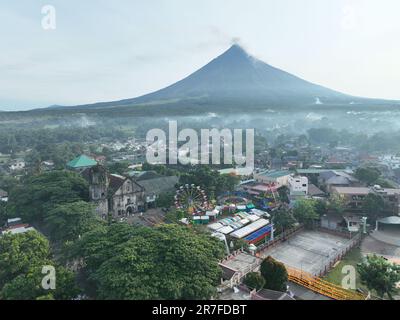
(320, 286)
(342, 232)
(280, 238)
(328, 265)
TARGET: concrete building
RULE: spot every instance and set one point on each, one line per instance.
(298, 185)
(355, 197)
(280, 178)
(17, 165)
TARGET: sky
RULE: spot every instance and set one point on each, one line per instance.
(110, 50)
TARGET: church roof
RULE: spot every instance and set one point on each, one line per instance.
(116, 181)
(159, 185)
(81, 162)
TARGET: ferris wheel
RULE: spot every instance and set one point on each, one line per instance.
(191, 198)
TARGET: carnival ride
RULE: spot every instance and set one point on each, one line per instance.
(192, 199)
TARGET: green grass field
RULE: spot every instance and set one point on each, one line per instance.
(352, 258)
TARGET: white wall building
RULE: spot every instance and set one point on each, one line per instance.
(280, 178)
(298, 185)
(17, 165)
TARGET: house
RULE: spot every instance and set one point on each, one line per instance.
(47, 165)
(314, 191)
(355, 197)
(15, 226)
(353, 222)
(21, 228)
(336, 178)
(3, 195)
(236, 266)
(17, 165)
(280, 177)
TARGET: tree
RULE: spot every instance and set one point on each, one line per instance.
(3, 213)
(41, 193)
(321, 207)
(22, 257)
(283, 194)
(283, 220)
(174, 215)
(336, 203)
(373, 206)
(254, 281)
(368, 175)
(19, 252)
(165, 200)
(236, 244)
(29, 286)
(165, 262)
(7, 183)
(385, 183)
(274, 274)
(119, 167)
(304, 212)
(379, 275)
(210, 180)
(66, 222)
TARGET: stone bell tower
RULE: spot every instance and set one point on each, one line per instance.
(98, 188)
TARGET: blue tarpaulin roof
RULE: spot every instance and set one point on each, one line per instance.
(258, 233)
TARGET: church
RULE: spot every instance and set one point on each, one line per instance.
(118, 195)
(114, 194)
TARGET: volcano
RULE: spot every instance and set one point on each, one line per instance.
(236, 75)
(240, 81)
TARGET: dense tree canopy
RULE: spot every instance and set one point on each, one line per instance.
(22, 257)
(254, 280)
(368, 175)
(66, 222)
(283, 219)
(3, 213)
(373, 206)
(41, 193)
(166, 262)
(380, 275)
(336, 203)
(274, 274)
(211, 181)
(305, 212)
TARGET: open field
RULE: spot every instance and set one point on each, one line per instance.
(309, 251)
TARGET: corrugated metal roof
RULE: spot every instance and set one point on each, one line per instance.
(245, 231)
(390, 220)
(275, 174)
(81, 162)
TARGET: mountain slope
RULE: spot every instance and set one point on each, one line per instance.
(237, 79)
(235, 74)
